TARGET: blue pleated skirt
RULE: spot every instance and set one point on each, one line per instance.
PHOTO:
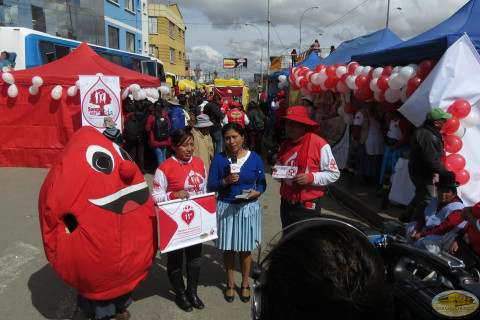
(239, 225)
(390, 159)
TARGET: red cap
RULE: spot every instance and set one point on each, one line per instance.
(298, 114)
(210, 98)
(281, 93)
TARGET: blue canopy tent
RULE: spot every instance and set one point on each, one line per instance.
(378, 40)
(432, 43)
(311, 62)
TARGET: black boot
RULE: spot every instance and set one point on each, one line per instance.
(181, 299)
(192, 282)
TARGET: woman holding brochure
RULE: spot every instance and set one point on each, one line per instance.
(239, 178)
(179, 177)
(310, 162)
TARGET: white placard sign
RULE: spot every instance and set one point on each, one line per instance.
(100, 97)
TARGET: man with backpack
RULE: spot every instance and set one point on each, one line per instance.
(236, 115)
(135, 134)
(256, 127)
(158, 126)
(177, 116)
(212, 110)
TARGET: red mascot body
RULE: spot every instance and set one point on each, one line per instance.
(97, 217)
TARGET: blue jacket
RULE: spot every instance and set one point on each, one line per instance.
(177, 118)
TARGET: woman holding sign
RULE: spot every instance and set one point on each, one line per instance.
(305, 165)
(239, 178)
(179, 177)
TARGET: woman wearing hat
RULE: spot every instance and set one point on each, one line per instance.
(111, 131)
(316, 167)
(441, 216)
(202, 140)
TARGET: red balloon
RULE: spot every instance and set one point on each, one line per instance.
(382, 82)
(452, 143)
(331, 82)
(343, 78)
(351, 67)
(350, 108)
(454, 162)
(319, 67)
(362, 81)
(387, 71)
(370, 73)
(331, 71)
(364, 94)
(303, 83)
(452, 125)
(414, 82)
(294, 86)
(462, 176)
(316, 88)
(425, 67)
(460, 108)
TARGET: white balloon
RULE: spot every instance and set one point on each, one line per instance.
(373, 85)
(134, 87)
(349, 119)
(8, 77)
(341, 71)
(12, 91)
(351, 82)
(358, 70)
(77, 84)
(155, 95)
(403, 94)
(396, 69)
(33, 90)
(342, 88)
(392, 95)
(366, 70)
(99, 74)
(322, 75)
(414, 66)
(164, 90)
(377, 72)
(37, 81)
(56, 92)
(297, 81)
(72, 91)
(394, 82)
(376, 96)
(471, 120)
(460, 132)
(406, 73)
(322, 85)
(136, 95)
(142, 94)
(282, 78)
(341, 111)
(315, 78)
(125, 94)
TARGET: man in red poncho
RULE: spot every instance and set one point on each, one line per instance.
(98, 223)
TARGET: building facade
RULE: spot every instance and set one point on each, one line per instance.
(81, 20)
(167, 37)
(117, 24)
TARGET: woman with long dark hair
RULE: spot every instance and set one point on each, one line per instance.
(179, 177)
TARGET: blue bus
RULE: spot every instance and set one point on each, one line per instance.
(28, 48)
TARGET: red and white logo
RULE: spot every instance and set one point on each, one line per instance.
(188, 214)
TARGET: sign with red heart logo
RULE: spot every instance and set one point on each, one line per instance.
(188, 214)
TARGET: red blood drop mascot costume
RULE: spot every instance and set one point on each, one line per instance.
(98, 220)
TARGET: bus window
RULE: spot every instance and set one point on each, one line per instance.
(61, 51)
(46, 51)
(149, 67)
(136, 65)
(112, 57)
(161, 72)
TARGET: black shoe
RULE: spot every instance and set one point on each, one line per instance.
(229, 298)
(195, 300)
(245, 298)
(182, 302)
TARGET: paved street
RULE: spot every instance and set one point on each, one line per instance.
(30, 289)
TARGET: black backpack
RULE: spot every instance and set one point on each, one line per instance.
(160, 129)
(135, 127)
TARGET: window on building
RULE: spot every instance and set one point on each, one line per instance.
(113, 40)
(172, 55)
(179, 55)
(153, 50)
(171, 30)
(153, 25)
(130, 42)
(179, 32)
(129, 5)
(38, 19)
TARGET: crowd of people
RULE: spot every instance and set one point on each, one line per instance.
(196, 139)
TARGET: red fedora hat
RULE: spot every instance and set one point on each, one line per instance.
(298, 114)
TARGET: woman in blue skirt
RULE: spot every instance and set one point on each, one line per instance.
(232, 173)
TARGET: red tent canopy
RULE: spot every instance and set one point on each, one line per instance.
(35, 129)
(82, 61)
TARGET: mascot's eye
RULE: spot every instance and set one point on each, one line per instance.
(100, 159)
(122, 153)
